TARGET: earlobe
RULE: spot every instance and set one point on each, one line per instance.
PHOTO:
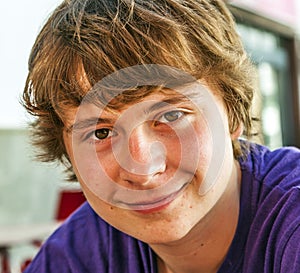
(238, 132)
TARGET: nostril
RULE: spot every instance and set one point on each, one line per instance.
(154, 162)
(136, 172)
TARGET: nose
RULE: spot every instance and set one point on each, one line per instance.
(142, 156)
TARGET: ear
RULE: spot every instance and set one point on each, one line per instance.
(238, 132)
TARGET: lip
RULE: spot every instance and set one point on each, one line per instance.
(156, 205)
(154, 209)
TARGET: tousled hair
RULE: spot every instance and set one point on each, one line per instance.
(94, 38)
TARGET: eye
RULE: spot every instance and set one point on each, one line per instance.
(103, 133)
(170, 116)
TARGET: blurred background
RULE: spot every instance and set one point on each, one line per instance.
(29, 191)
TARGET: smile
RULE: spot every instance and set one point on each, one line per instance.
(154, 205)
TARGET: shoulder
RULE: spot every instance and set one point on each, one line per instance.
(74, 246)
(272, 193)
(271, 180)
(86, 243)
(280, 167)
(289, 260)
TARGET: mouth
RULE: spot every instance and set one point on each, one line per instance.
(155, 205)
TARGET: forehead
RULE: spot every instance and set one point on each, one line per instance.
(133, 83)
(145, 103)
(116, 99)
(132, 97)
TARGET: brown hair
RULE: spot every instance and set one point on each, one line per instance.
(99, 37)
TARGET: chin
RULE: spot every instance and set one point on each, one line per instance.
(165, 229)
(168, 236)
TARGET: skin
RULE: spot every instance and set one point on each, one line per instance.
(193, 232)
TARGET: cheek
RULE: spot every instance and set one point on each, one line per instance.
(93, 168)
(89, 167)
(195, 148)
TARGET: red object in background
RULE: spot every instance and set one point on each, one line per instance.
(68, 201)
(5, 268)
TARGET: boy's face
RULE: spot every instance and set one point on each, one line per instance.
(157, 167)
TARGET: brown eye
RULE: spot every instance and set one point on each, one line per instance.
(102, 133)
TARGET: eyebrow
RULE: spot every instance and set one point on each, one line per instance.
(93, 121)
(87, 123)
(165, 102)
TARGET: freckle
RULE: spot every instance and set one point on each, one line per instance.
(202, 244)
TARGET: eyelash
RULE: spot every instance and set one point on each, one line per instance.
(159, 120)
(92, 138)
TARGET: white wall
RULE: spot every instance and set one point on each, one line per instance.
(20, 22)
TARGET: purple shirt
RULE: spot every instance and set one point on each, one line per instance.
(267, 238)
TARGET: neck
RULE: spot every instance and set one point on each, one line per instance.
(205, 247)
